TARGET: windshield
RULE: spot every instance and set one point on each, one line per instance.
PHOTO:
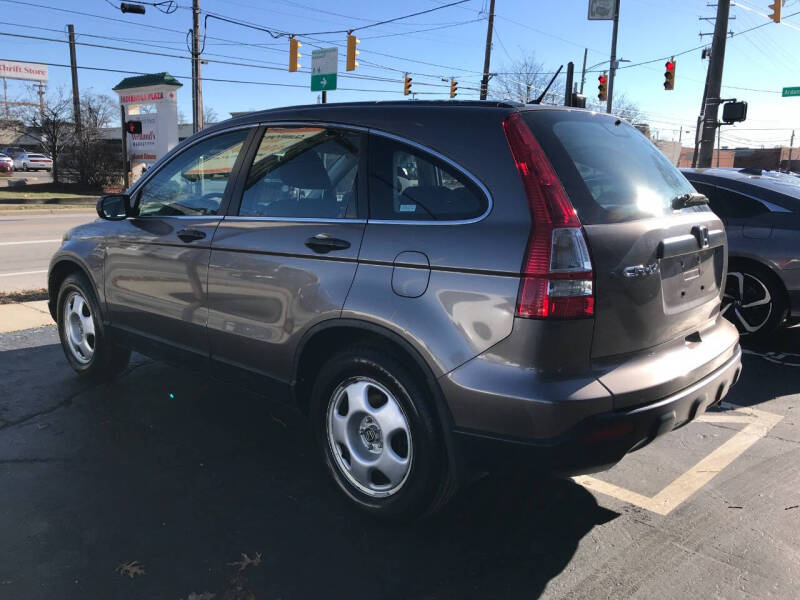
(610, 170)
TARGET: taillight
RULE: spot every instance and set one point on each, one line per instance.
(557, 278)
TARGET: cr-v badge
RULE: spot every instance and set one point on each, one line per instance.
(639, 271)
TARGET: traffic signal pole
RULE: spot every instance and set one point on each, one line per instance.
(613, 67)
(715, 64)
(488, 54)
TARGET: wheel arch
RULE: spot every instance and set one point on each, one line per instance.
(62, 268)
(326, 337)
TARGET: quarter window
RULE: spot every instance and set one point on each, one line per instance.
(194, 181)
(407, 184)
(303, 172)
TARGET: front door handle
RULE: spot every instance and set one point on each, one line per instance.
(191, 235)
(323, 243)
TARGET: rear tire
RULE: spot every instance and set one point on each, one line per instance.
(754, 300)
(375, 423)
(25, 167)
(86, 342)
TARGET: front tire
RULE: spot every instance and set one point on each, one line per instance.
(86, 342)
(375, 423)
(754, 300)
(25, 167)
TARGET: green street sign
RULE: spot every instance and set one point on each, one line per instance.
(791, 91)
(324, 82)
(324, 66)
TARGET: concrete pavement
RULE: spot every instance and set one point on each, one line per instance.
(27, 242)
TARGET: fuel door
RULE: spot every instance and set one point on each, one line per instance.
(411, 272)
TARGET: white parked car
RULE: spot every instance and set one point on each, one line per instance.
(27, 161)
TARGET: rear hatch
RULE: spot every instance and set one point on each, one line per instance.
(658, 271)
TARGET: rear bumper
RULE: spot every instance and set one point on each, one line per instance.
(601, 440)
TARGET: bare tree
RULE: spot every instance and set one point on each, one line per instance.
(92, 161)
(53, 124)
(209, 115)
(525, 79)
(623, 107)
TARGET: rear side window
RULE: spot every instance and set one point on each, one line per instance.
(611, 172)
(732, 205)
(303, 172)
(408, 184)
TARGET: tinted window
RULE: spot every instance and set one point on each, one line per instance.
(410, 185)
(735, 206)
(303, 172)
(194, 181)
(610, 171)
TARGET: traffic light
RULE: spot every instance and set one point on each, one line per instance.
(776, 11)
(127, 7)
(294, 54)
(602, 92)
(407, 85)
(134, 127)
(669, 74)
(352, 42)
(453, 88)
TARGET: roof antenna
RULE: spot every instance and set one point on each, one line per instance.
(540, 98)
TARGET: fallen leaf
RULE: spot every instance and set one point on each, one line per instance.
(246, 561)
(130, 569)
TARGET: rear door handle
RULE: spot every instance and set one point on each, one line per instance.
(191, 235)
(322, 243)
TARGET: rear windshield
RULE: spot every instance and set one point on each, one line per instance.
(610, 170)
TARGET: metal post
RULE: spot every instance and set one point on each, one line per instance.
(680, 146)
(715, 66)
(568, 84)
(125, 177)
(613, 67)
(583, 71)
(5, 96)
(719, 146)
(197, 85)
(791, 145)
(488, 54)
(324, 96)
(76, 97)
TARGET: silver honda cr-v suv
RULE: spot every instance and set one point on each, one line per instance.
(443, 287)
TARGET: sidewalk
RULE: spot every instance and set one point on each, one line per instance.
(25, 315)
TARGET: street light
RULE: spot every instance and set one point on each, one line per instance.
(585, 70)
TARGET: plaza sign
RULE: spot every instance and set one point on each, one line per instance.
(10, 69)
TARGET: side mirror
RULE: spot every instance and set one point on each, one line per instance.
(114, 207)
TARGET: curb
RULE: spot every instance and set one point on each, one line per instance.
(54, 200)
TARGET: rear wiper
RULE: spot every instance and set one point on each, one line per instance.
(692, 199)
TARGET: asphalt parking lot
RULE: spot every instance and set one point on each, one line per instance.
(165, 484)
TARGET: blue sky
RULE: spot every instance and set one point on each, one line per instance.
(555, 32)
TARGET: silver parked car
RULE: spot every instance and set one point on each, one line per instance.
(31, 161)
(761, 211)
(443, 287)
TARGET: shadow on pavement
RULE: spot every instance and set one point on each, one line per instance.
(771, 368)
(198, 481)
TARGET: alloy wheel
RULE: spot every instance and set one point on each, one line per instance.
(79, 328)
(369, 437)
(746, 302)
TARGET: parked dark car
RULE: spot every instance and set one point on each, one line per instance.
(761, 211)
(443, 287)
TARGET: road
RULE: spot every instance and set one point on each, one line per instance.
(168, 484)
(28, 241)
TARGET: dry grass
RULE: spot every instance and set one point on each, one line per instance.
(23, 296)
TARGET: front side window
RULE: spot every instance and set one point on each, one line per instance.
(302, 173)
(193, 182)
(408, 184)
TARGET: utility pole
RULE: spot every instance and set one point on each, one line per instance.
(719, 145)
(76, 97)
(791, 145)
(583, 70)
(41, 99)
(613, 67)
(197, 82)
(488, 55)
(568, 84)
(715, 64)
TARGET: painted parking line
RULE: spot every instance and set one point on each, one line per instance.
(23, 273)
(53, 241)
(757, 425)
(787, 359)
